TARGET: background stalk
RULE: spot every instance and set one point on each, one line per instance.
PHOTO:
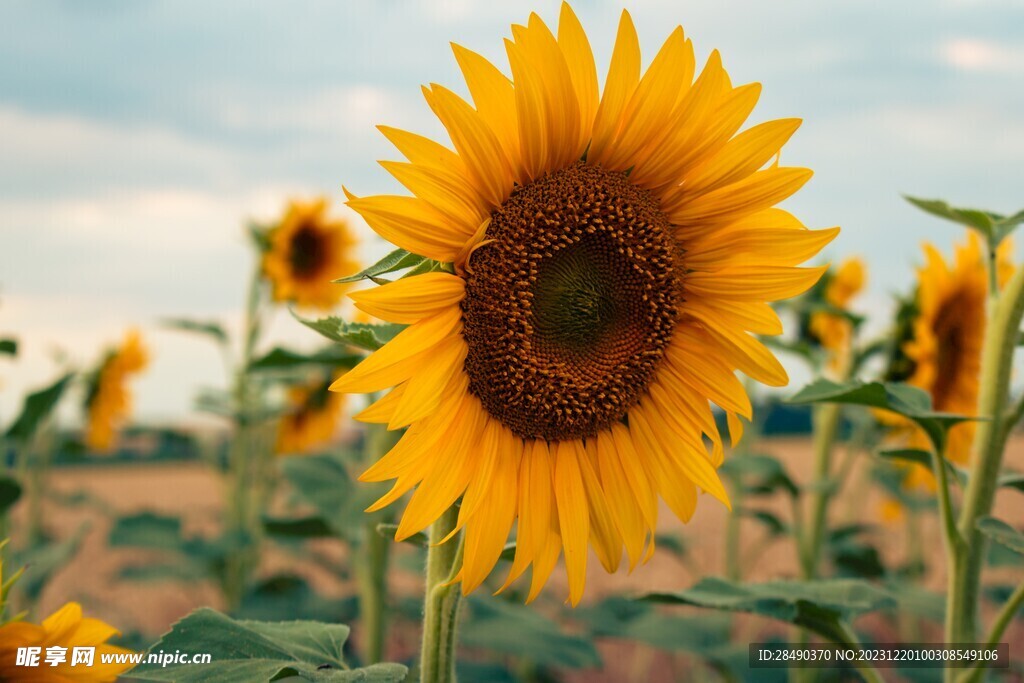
(826, 429)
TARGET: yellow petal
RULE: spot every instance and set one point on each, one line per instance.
(380, 412)
(476, 143)
(741, 156)
(546, 560)
(757, 191)
(750, 356)
(753, 283)
(424, 390)
(623, 76)
(494, 97)
(573, 517)
(604, 531)
(423, 151)
(765, 247)
(572, 39)
(622, 501)
(488, 529)
(735, 428)
(685, 449)
(645, 118)
(399, 359)
(534, 505)
(754, 316)
(446, 191)
(677, 490)
(411, 299)
(411, 224)
(691, 362)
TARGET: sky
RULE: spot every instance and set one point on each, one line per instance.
(137, 138)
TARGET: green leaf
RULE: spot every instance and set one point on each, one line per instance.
(147, 530)
(1013, 480)
(322, 482)
(9, 347)
(517, 630)
(759, 475)
(818, 606)
(283, 596)
(37, 408)
(903, 399)
(1002, 533)
(924, 458)
(775, 526)
(981, 221)
(45, 560)
(298, 527)
(369, 336)
(399, 259)
(256, 651)
(209, 328)
(10, 492)
(281, 357)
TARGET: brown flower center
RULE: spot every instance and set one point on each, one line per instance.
(307, 252)
(570, 303)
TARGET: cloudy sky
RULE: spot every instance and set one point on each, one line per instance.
(137, 137)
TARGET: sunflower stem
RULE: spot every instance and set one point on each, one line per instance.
(375, 555)
(998, 628)
(826, 429)
(1005, 312)
(441, 603)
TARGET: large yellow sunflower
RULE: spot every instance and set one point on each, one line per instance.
(948, 335)
(312, 419)
(68, 629)
(307, 250)
(109, 401)
(612, 254)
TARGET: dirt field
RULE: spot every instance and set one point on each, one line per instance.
(193, 491)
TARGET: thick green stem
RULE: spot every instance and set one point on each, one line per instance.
(1004, 321)
(373, 591)
(372, 565)
(826, 429)
(999, 626)
(441, 604)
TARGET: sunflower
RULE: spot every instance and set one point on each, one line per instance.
(312, 419)
(306, 250)
(948, 335)
(834, 332)
(108, 401)
(611, 255)
(66, 628)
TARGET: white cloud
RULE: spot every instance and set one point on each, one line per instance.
(973, 54)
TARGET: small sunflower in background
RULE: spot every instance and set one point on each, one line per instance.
(108, 400)
(68, 629)
(612, 254)
(312, 417)
(305, 251)
(835, 332)
(947, 336)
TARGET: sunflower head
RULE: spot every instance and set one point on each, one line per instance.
(612, 253)
(305, 251)
(108, 399)
(835, 332)
(312, 418)
(66, 628)
(948, 332)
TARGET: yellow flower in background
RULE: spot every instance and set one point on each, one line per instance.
(109, 402)
(312, 419)
(835, 332)
(307, 250)
(613, 252)
(65, 628)
(948, 335)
